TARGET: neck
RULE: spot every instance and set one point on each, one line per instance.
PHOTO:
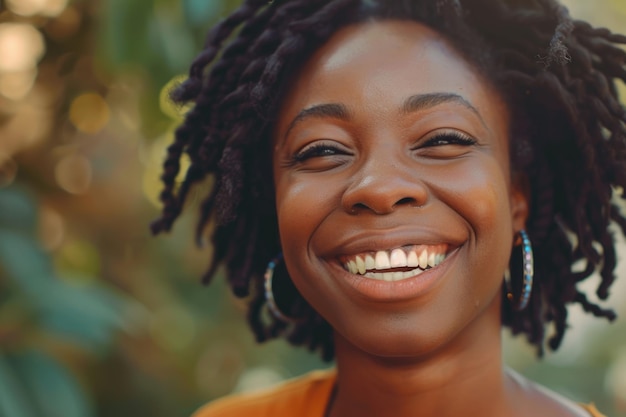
(465, 377)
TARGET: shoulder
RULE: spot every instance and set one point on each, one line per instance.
(292, 397)
(592, 410)
(546, 402)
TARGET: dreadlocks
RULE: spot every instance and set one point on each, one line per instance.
(568, 139)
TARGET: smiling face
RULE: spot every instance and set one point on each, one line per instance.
(395, 205)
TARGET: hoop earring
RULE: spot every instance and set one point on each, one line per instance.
(269, 293)
(527, 276)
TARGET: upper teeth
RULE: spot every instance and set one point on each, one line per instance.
(417, 257)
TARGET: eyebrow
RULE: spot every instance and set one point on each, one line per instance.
(426, 101)
(412, 104)
(320, 111)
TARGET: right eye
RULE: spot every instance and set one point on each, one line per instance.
(315, 151)
(320, 150)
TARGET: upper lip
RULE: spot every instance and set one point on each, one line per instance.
(374, 240)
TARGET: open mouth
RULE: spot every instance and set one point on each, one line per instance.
(396, 264)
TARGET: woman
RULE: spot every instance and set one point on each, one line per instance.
(426, 171)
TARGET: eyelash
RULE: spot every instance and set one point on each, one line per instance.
(316, 150)
(323, 149)
(449, 138)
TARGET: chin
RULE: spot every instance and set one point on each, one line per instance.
(399, 344)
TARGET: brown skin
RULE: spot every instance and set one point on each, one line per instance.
(378, 181)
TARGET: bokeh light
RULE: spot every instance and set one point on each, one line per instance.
(89, 113)
(21, 47)
(28, 125)
(258, 378)
(81, 257)
(168, 107)
(17, 84)
(49, 8)
(73, 173)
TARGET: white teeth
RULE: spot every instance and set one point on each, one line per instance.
(360, 265)
(393, 276)
(352, 267)
(413, 273)
(397, 258)
(432, 259)
(382, 260)
(423, 259)
(368, 265)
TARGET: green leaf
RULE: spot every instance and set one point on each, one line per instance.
(14, 401)
(51, 387)
(175, 45)
(124, 30)
(199, 12)
(88, 314)
(18, 211)
(25, 262)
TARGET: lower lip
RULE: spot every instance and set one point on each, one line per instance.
(402, 290)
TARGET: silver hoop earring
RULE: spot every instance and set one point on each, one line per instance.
(528, 271)
(269, 293)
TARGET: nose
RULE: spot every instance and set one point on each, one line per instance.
(383, 187)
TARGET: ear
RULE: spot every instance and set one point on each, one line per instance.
(520, 201)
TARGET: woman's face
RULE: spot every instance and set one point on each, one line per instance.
(395, 205)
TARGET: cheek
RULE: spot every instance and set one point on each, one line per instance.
(288, 203)
(480, 193)
(481, 196)
(301, 207)
(491, 221)
(489, 205)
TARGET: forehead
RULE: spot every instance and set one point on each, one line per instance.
(375, 66)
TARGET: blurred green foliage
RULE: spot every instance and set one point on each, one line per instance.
(97, 318)
(39, 310)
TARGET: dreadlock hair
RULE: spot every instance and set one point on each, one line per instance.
(568, 140)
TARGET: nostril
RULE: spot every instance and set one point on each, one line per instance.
(408, 201)
(358, 207)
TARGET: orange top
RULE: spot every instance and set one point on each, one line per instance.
(306, 396)
(592, 410)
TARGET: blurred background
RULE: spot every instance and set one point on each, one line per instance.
(97, 318)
